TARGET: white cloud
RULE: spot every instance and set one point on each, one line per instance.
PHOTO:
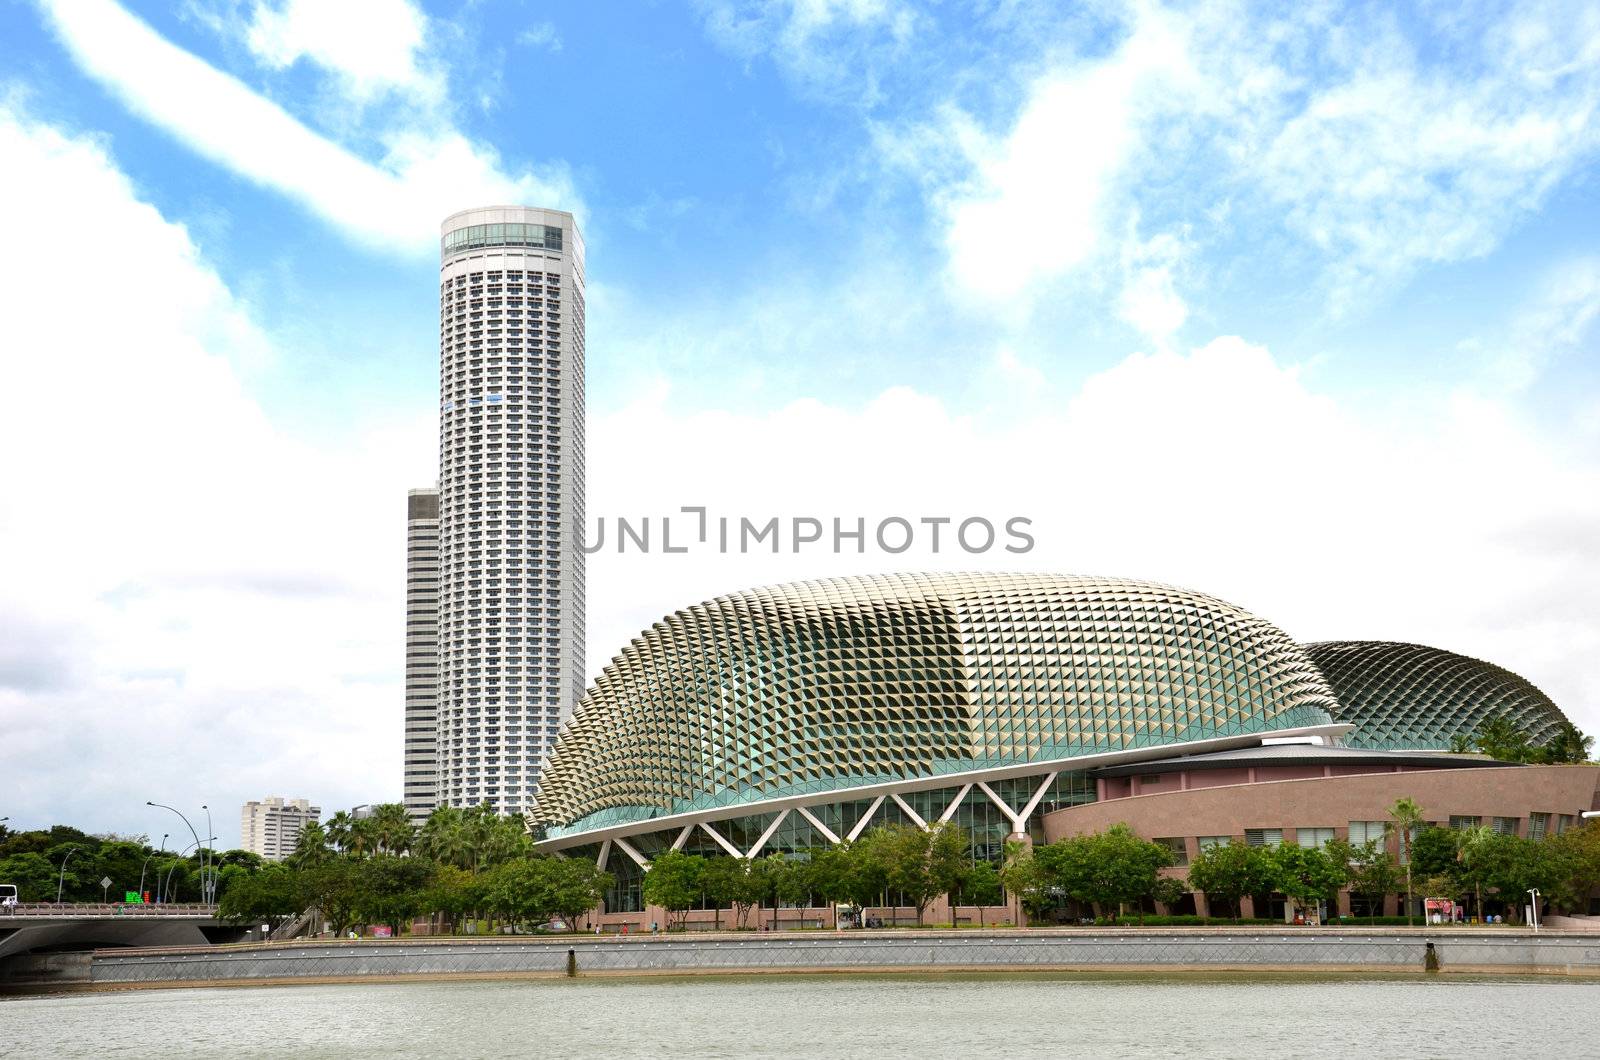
(1380, 151)
(541, 35)
(827, 48)
(200, 606)
(1557, 323)
(426, 171)
(372, 45)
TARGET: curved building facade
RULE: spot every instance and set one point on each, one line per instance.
(1409, 697)
(869, 687)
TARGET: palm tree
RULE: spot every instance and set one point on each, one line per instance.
(339, 829)
(310, 846)
(1471, 845)
(391, 827)
(444, 838)
(1404, 817)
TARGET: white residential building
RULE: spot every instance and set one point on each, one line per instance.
(271, 827)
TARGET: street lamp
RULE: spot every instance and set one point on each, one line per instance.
(207, 873)
(147, 864)
(174, 809)
(1534, 891)
(175, 864)
(62, 882)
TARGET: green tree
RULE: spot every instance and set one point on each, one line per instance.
(1568, 746)
(1024, 877)
(391, 828)
(1500, 737)
(1169, 891)
(332, 887)
(1306, 875)
(271, 896)
(918, 863)
(732, 882)
(33, 875)
(1472, 846)
(390, 889)
(1374, 875)
(518, 891)
(982, 888)
(1580, 850)
(443, 838)
(310, 847)
(574, 887)
(1229, 871)
(1109, 869)
(1405, 817)
(949, 861)
(1434, 852)
(452, 894)
(673, 883)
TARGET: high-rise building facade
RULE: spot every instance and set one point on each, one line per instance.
(422, 652)
(271, 827)
(510, 633)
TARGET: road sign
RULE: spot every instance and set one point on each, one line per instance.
(105, 881)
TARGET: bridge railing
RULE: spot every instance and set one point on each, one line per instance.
(71, 910)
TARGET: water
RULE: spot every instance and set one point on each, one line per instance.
(786, 1016)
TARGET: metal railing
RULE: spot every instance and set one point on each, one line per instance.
(78, 910)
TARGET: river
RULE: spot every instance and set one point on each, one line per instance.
(928, 1017)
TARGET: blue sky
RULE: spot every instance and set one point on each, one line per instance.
(1295, 306)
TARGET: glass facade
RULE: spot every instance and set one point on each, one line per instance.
(1409, 697)
(546, 237)
(818, 687)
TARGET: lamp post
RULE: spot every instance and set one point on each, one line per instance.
(147, 865)
(207, 872)
(175, 864)
(1534, 891)
(174, 809)
(62, 881)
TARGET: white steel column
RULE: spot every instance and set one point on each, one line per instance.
(817, 824)
(861, 825)
(913, 814)
(773, 827)
(955, 803)
(714, 834)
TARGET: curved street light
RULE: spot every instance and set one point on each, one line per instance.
(208, 871)
(147, 865)
(174, 809)
(62, 881)
(175, 864)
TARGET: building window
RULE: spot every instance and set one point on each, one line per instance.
(1364, 832)
(1263, 837)
(1464, 821)
(1206, 842)
(1313, 838)
(1506, 825)
(1179, 848)
(1538, 825)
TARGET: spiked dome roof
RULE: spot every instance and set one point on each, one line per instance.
(827, 685)
(1410, 697)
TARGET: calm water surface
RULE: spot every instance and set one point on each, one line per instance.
(888, 1016)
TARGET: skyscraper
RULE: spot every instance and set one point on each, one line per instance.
(511, 347)
(422, 652)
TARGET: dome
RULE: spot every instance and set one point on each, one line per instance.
(1412, 697)
(845, 682)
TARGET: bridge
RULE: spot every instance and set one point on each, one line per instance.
(39, 928)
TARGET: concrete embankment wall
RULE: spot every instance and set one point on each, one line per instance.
(851, 951)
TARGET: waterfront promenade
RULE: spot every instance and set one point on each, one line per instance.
(1164, 949)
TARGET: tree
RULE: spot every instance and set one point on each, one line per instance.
(1024, 877)
(1568, 746)
(673, 883)
(331, 887)
(443, 838)
(391, 828)
(919, 863)
(1169, 891)
(982, 887)
(33, 874)
(453, 892)
(1500, 737)
(1471, 847)
(1374, 875)
(1229, 871)
(575, 887)
(790, 881)
(273, 895)
(949, 861)
(1580, 848)
(1405, 816)
(390, 889)
(310, 847)
(1109, 869)
(1306, 874)
(518, 891)
(733, 882)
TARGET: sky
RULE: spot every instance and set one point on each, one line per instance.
(1291, 304)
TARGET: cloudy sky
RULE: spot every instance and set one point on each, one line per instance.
(1294, 304)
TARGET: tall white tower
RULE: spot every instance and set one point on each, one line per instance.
(511, 325)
